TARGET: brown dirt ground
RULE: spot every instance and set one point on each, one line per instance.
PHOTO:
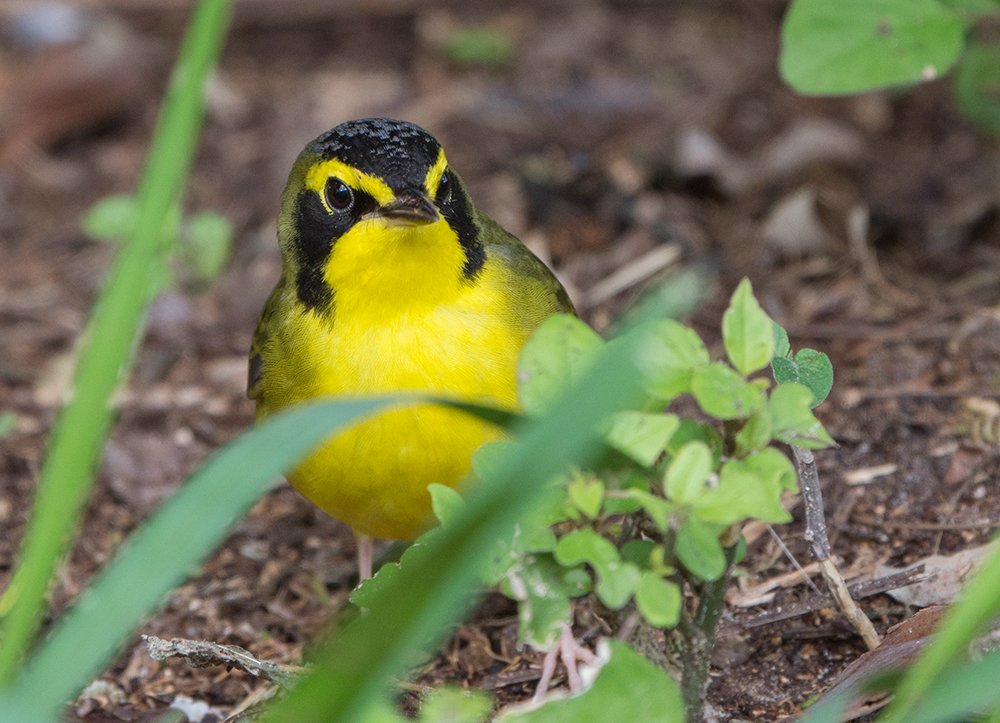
(573, 146)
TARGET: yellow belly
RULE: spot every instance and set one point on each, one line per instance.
(375, 475)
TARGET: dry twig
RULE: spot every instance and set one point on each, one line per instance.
(857, 590)
(202, 654)
(816, 536)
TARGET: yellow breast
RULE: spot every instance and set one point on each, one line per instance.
(403, 319)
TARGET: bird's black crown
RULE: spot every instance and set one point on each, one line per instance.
(396, 151)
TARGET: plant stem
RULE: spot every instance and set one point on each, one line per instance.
(699, 640)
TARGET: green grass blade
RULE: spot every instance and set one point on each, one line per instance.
(163, 552)
(78, 435)
(962, 694)
(966, 617)
(356, 668)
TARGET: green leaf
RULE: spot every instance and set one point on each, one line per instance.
(747, 331)
(782, 348)
(112, 217)
(616, 503)
(641, 435)
(8, 423)
(692, 431)
(587, 493)
(659, 601)
(369, 592)
(669, 357)
(792, 421)
(754, 435)
(652, 697)
(815, 372)
(479, 46)
(531, 535)
(451, 704)
(616, 583)
(741, 550)
(784, 370)
(586, 546)
(490, 457)
(658, 509)
(724, 394)
(810, 368)
(742, 494)
(446, 503)
(688, 473)
(774, 467)
(209, 239)
(657, 562)
(554, 358)
(616, 580)
(851, 46)
(699, 550)
(977, 85)
(637, 552)
(543, 590)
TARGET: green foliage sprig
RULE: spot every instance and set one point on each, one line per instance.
(839, 47)
(200, 246)
(658, 511)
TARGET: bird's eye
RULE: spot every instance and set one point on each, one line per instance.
(338, 195)
(444, 188)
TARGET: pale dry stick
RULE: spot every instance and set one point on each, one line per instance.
(201, 654)
(765, 591)
(808, 605)
(632, 273)
(791, 557)
(812, 496)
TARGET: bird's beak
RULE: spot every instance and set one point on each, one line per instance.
(410, 208)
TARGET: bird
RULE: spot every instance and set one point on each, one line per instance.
(392, 282)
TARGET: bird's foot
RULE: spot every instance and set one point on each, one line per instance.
(569, 651)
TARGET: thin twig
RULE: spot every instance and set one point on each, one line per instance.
(816, 536)
(791, 557)
(918, 525)
(202, 654)
(857, 590)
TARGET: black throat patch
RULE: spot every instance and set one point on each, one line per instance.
(399, 153)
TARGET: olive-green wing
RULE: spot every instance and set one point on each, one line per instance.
(503, 245)
(255, 372)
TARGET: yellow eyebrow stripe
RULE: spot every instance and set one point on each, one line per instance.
(434, 173)
(373, 185)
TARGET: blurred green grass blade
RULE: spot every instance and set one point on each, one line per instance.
(961, 694)
(978, 604)
(415, 608)
(163, 552)
(82, 427)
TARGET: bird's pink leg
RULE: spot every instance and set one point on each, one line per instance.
(548, 667)
(569, 651)
(366, 554)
